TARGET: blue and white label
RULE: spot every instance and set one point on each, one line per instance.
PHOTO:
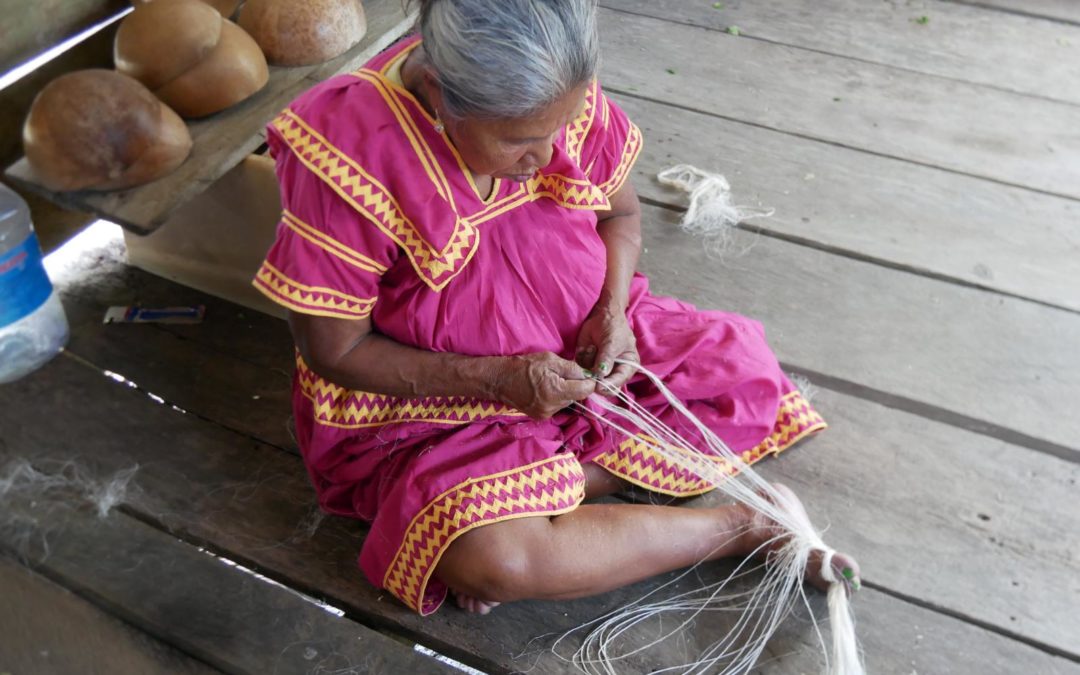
(24, 285)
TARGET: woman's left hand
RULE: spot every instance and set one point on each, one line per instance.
(604, 337)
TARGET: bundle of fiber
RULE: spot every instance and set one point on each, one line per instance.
(760, 610)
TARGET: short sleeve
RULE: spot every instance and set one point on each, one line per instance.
(327, 260)
(611, 145)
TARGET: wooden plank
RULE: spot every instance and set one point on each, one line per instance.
(220, 392)
(903, 214)
(934, 344)
(965, 43)
(33, 26)
(218, 612)
(208, 485)
(966, 128)
(946, 516)
(246, 384)
(1029, 533)
(217, 241)
(223, 140)
(1062, 10)
(861, 424)
(47, 629)
(1002, 363)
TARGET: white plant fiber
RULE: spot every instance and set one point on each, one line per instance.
(33, 499)
(764, 607)
(711, 212)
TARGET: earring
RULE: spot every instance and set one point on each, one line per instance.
(439, 126)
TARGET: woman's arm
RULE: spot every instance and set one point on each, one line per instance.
(620, 228)
(350, 354)
(606, 335)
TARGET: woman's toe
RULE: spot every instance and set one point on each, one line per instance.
(473, 605)
(844, 569)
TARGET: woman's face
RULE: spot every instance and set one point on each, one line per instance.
(514, 148)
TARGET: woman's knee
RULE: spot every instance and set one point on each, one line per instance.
(498, 562)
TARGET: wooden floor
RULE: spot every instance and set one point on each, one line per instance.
(922, 270)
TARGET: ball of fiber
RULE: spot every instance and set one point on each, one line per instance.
(299, 33)
(100, 130)
(195, 61)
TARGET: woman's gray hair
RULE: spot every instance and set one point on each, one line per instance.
(508, 58)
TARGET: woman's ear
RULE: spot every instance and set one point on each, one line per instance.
(433, 92)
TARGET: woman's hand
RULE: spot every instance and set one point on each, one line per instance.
(542, 384)
(604, 337)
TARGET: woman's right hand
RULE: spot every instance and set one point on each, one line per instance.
(542, 384)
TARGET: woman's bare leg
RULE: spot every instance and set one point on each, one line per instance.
(600, 547)
(598, 483)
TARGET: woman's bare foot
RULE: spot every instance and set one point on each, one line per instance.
(471, 604)
(764, 536)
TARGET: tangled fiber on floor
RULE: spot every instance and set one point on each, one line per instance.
(761, 609)
(711, 213)
(33, 497)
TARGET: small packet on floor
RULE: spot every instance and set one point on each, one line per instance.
(136, 314)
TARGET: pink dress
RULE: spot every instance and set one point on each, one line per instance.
(382, 220)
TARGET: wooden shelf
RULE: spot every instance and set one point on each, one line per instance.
(221, 141)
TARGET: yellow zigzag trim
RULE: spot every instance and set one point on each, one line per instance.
(405, 121)
(372, 200)
(400, 93)
(569, 192)
(314, 300)
(630, 152)
(331, 245)
(578, 130)
(659, 475)
(445, 518)
(342, 408)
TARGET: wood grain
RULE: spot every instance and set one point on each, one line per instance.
(934, 343)
(962, 127)
(1004, 361)
(902, 214)
(1062, 10)
(48, 629)
(204, 605)
(902, 491)
(33, 26)
(956, 41)
(252, 503)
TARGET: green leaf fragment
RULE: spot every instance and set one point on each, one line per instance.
(671, 71)
(923, 20)
(734, 30)
(718, 5)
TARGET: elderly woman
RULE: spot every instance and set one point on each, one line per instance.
(457, 247)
